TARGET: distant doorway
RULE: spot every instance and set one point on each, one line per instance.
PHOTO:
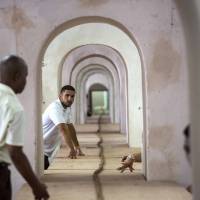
(100, 102)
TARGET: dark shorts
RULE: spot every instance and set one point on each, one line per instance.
(46, 162)
(5, 182)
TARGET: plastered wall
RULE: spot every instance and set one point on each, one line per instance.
(25, 27)
(190, 13)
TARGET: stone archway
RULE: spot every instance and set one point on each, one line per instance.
(105, 65)
(85, 55)
(82, 78)
(136, 127)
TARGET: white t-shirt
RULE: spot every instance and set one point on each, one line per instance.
(12, 122)
(54, 114)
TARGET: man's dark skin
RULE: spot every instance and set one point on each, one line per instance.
(187, 148)
(126, 163)
(13, 73)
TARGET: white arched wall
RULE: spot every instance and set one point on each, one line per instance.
(81, 53)
(82, 79)
(81, 84)
(80, 35)
(104, 64)
(114, 100)
(114, 63)
(153, 28)
(100, 76)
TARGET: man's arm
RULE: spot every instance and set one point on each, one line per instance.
(65, 132)
(72, 133)
(127, 162)
(22, 164)
(74, 138)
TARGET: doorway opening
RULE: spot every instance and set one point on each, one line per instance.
(129, 90)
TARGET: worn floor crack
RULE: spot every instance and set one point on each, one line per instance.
(96, 178)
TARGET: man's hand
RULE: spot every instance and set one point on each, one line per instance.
(127, 162)
(79, 152)
(124, 158)
(72, 154)
(23, 166)
(40, 191)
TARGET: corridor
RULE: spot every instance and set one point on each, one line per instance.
(135, 62)
(73, 179)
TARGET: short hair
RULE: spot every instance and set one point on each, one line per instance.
(12, 64)
(67, 87)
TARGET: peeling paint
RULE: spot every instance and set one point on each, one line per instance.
(161, 137)
(20, 20)
(158, 167)
(154, 15)
(165, 66)
(5, 16)
(172, 160)
(87, 3)
(164, 159)
(15, 18)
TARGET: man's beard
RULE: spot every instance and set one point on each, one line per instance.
(66, 105)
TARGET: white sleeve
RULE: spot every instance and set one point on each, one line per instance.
(56, 115)
(16, 129)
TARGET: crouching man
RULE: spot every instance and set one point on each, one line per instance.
(56, 122)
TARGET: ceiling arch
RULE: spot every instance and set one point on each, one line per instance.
(97, 63)
(89, 31)
(81, 80)
(91, 53)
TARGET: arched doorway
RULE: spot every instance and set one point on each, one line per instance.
(98, 101)
(136, 87)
